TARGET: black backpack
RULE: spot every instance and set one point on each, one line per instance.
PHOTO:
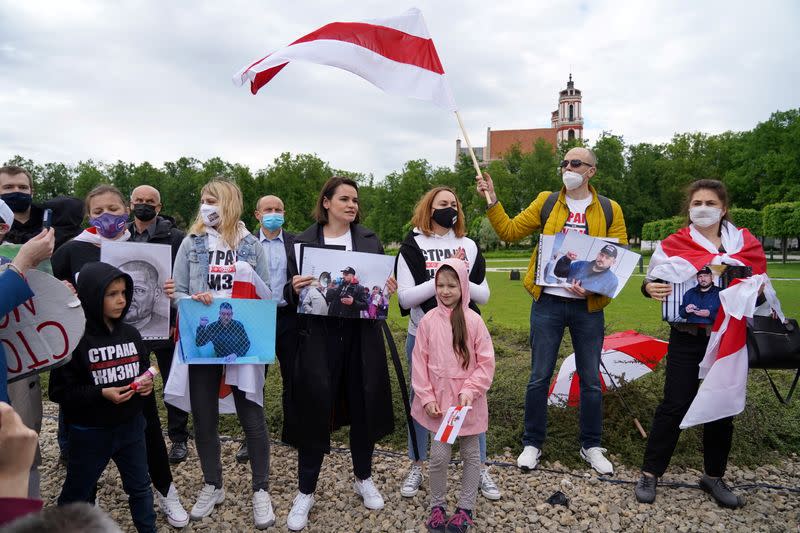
(548, 205)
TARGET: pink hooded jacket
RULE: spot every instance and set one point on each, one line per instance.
(437, 375)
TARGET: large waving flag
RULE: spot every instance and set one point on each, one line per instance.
(396, 54)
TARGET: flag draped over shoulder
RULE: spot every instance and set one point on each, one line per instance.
(248, 378)
(396, 54)
(724, 367)
(679, 256)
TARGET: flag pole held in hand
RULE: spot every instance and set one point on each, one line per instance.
(472, 155)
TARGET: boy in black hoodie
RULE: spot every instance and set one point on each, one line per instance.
(103, 413)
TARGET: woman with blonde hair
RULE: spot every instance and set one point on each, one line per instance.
(204, 269)
(439, 232)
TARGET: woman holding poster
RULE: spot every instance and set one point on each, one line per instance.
(439, 232)
(709, 239)
(340, 376)
(204, 269)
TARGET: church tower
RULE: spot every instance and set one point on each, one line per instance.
(567, 120)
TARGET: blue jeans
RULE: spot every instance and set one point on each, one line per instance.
(422, 433)
(90, 450)
(549, 316)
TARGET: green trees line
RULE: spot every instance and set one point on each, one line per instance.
(761, 168)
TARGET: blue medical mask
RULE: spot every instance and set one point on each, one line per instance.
(272, 221)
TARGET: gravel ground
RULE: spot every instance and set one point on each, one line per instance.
(594, 505)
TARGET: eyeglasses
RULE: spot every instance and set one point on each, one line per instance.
(575, 163)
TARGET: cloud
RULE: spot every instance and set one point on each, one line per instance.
(151, 80)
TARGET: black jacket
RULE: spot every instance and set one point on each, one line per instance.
(66, 221)
(103, 357)
(71, 258)
(415, 260)
(312, 414)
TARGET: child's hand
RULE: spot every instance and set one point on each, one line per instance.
(18, 444)
(433, 410)
(118, 394)
(145, 387)
(465, 399)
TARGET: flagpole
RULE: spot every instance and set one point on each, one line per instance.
(621, 397)
(472, 155)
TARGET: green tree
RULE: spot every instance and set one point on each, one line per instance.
(781, 220)
(88, 175)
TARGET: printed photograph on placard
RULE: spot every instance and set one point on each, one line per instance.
(229, 331)
(346, 284)
(573, 258)
(149, 265)
(696, 300)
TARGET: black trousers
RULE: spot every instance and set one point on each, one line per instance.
(177, 419)
(680, 387)
(157, 458)
(344, 369)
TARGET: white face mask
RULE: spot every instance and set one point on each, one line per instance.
(572, 180)
(210, 215)
(705, 216)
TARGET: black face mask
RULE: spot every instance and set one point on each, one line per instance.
(445, 217)
(18, 202)
(144, 212)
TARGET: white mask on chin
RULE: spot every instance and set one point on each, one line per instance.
(705, 216)
(210, 215)
(572, 180)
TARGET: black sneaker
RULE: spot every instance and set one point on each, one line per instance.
(178, 453)
(242, 456)
(460, 521)
(645, 489)
(721, 492)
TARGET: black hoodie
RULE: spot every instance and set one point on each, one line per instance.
(103, 358)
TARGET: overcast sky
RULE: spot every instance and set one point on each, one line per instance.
(151, 80)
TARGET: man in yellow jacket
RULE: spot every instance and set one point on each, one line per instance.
(577, 207)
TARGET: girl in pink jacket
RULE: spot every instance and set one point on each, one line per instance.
(452, 364)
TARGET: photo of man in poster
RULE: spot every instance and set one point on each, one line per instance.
(147, 292)
(594, 276)
(348, 298)
(701, 302)
(226, 334)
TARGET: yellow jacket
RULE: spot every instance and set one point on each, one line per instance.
(529, 222)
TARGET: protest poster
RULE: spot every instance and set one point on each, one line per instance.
(149, 265)
(696, 300)
(40, 334)
(229, 331)
(596, 264)
(346, 284)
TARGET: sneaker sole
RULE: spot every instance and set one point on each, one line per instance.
(176, 524)
(490, 496)
(595, 469)
(721, 504)
(266, 525)
(195, 518)
(409, 494)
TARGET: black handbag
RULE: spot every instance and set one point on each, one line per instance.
(772, 344)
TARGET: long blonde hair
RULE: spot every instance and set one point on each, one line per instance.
(229, 200)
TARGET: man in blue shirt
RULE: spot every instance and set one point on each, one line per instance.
(594, 276)
(701, 302)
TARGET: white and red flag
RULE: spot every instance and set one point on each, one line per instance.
(724, 367)
(396, 54)
(678, 257)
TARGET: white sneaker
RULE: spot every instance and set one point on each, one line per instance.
(298, 516)
(209, 497)
(594, 456)
(369, 492)
(488, 487)
(529, 458)
(263, 515)
(171, 506)
(413, 481)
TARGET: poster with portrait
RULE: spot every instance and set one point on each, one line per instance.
(229, 331)
(346, 284)
(149, 265)
(572, 258)
(696, 300)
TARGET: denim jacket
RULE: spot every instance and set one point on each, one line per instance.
(191, 264)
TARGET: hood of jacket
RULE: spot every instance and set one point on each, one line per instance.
(463, 279)
(93, 280)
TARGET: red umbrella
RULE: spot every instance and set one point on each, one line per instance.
(626, 356)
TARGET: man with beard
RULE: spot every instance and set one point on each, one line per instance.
(226, 334)
(701, 302)
(347, 299)
(594, 276)
(149, 225)
(143, 313)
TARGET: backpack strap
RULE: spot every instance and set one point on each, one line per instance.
(550, 202)
(788, 398)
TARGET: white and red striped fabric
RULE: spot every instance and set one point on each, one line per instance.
(452, 421)
(396, 54)
(724, 367)
(248, 378)
(678, 257)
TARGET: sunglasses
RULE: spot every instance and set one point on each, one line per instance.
(575, 163)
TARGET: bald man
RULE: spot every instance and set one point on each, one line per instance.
(575, 207)
(150, 226)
